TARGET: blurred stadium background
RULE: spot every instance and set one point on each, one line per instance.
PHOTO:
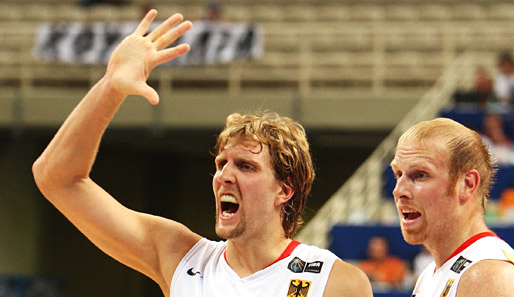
(356, 74)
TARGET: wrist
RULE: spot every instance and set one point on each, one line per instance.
(109, 88)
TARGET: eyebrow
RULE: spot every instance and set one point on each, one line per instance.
(239, 157)
(419, 165)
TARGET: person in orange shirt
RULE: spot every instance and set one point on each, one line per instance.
(383, 269)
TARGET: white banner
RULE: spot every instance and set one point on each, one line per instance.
(211, 42)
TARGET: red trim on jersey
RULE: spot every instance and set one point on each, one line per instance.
(287, 252)
(469, 242)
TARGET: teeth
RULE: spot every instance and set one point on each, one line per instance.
(229, 198)
(408, 211)
(227, 214)
(410, 214)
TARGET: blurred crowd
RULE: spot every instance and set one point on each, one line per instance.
(493, 95)
(388, 272)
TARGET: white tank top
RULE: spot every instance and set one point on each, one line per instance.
(204, 271)
(445, 281)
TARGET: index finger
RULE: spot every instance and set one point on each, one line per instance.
(145, 23)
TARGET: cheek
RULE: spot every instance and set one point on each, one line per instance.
(215, 183)
(261, 191)
(435, 201)
(427, 195)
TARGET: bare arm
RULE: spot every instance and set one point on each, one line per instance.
(488, 278)
(346, 280)
(149, 244)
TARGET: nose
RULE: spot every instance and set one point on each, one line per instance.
(225, 175)
(401, 188)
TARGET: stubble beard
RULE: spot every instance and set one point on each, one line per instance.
(235, 232)
(412, 238)
(417, 236)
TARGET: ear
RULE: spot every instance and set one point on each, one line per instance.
(471, 180)
(285, 193)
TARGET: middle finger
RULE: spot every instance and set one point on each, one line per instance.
(165, 26)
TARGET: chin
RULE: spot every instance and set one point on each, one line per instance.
(413, 239)
(227, 233)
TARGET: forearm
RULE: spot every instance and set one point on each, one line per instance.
(71, 153)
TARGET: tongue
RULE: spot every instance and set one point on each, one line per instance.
(233, 208)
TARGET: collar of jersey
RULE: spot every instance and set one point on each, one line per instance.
(469, 242)
(286, 253)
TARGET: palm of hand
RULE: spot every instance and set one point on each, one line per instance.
(139, 53)
(131, 64)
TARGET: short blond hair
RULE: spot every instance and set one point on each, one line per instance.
(465, 148)
(289, 152)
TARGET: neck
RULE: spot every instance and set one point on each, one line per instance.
(246, 257)
(443, 247)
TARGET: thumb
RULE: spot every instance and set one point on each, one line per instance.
(148, 92)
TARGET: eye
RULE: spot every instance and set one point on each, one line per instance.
(220, 164)
(246, 166)
(397, 174)
(422, 175)
(419, 175)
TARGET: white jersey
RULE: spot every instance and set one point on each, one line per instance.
(445, 281)
(204, 271)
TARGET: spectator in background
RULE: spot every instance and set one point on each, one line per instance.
(504, 81)
(384, 270)
(481, 92)
(213, 12)
(494, 136)
(482, 86)
(506, 205)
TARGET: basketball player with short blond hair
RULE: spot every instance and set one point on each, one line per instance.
(443, 175)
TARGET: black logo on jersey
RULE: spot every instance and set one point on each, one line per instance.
(193, 273)
(297, 265)
(314, 267)
(460, 264)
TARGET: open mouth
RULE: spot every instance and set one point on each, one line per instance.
(409, 215)
(229, 205)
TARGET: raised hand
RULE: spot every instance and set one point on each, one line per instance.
(137, 55)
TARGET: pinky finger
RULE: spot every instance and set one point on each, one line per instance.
(171, 53)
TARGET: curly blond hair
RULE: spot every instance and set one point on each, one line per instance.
(289, 152)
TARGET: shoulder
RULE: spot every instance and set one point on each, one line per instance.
(206, 248)
(203, 252)
(487, 278)
(172, 241)
(347, 280)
